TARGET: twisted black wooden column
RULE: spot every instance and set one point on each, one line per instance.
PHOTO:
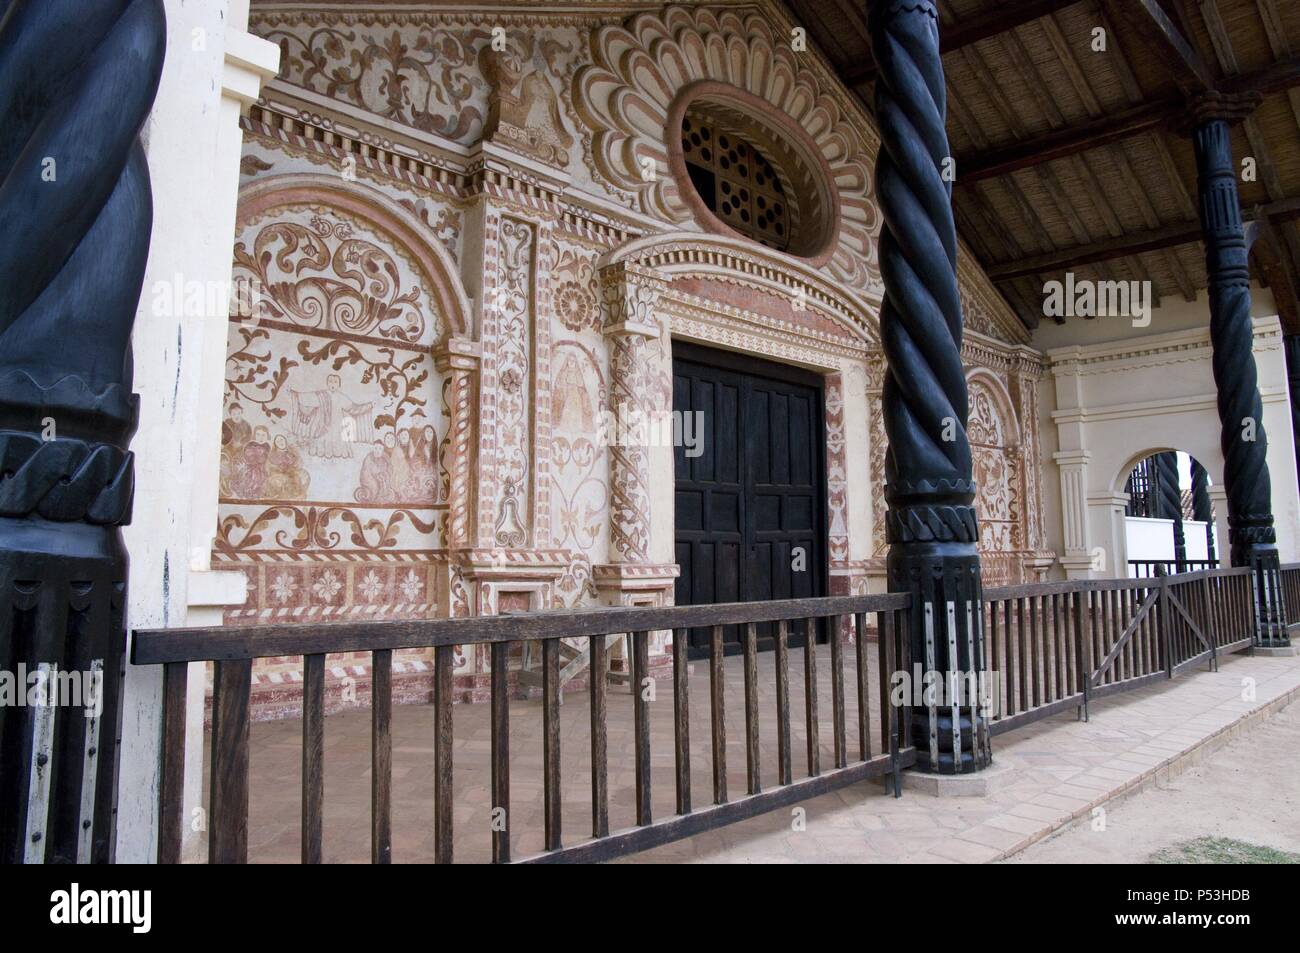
(77, 80)
(930, 523)
(1169, 499)
(1253, 541)
(1202, 508)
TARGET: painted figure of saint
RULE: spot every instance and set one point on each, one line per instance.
(235, 435)
(249, 480)
(404, 467)
(428, 454)
(376, 473)
(327, 422)
(287, 479)
(573, 410)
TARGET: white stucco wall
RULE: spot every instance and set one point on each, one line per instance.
(193, 141)
(1113, 403)
(1154, 539)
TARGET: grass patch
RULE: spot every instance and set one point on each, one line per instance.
(1221, 850)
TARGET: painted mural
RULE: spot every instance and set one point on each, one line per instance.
(333, 441)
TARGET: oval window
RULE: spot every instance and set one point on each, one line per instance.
(750, 177)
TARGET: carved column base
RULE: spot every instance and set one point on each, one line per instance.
(949, 722)
(1266, 588)
(62, 612)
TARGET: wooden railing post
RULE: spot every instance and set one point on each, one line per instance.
(1164, 620)
(171, 776)
(1084, 674)
(228, 794)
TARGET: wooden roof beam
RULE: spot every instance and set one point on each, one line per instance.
(1157, 29)
(1135, 120)
(1067, 141)
(1005, 16)
(1133, 243)
(1270, 252)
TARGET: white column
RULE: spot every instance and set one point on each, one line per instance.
(1110, 536)
(1079, 559)
(213, 69)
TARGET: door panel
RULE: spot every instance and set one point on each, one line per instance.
(750, 508)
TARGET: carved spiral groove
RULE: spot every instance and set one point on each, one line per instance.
(1245, 446)
(77, 81)
(928, 464)
(1169, 493)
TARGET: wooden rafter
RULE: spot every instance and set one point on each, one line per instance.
(1103, 130)
(1134, 192)
(1132, 243)
(1029, 76)
(1067, 141)
(1271, 256)
(1007, 15)
(1108, 249)
(1278, 43)
(1167, 41)
(1278, 268)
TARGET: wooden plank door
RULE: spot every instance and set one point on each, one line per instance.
(750, 507)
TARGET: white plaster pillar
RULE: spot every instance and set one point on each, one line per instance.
(1109, 512)
(213, 69)
(1079, 558)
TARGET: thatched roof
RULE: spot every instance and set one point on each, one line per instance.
(1069, 159)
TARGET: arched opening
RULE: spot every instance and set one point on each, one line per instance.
(1169, 520)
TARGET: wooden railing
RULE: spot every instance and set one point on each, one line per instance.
(1050, 647)
(1150, 568)
(233, 650)
(1055, 646)
(1291, 594)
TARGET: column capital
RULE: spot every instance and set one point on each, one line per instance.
(1215, 106)
(1065, 458)
(632, 293)
(459, 354)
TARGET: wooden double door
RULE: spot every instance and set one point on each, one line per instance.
(751, 492)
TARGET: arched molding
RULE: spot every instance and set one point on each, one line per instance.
(991, 382)
(379, 212)
(1213, 466)
(725, 258)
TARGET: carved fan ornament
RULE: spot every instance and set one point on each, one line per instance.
(634, 88)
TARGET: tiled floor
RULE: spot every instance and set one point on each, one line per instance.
(1054, 770)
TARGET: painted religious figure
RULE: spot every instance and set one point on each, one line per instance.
(327, 422)
(252, 467)
(400, 467)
